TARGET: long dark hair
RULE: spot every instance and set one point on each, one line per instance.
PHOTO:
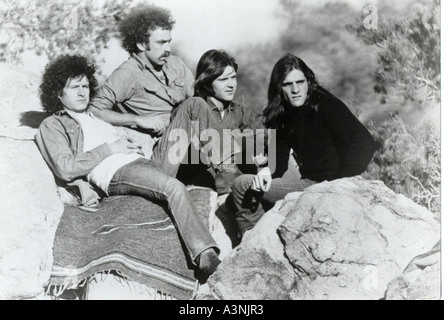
(274, 113)
(211, 65)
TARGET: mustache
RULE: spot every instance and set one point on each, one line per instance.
(165, 55)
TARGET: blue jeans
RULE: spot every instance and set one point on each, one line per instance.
(144, 178)
(247, 206)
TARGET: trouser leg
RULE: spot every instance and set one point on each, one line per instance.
(144, 178)
(247, 205)
(196, 124)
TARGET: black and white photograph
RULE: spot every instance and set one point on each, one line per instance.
(206, 151)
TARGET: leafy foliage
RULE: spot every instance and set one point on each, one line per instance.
(408, 161)
(409, 55)
(408, 157)
(55, 27)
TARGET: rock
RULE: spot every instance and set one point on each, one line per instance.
(257, 269)
(345, 239)
(348, 238)
(30, 212)
(420, 280)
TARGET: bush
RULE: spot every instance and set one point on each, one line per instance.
(408, 161)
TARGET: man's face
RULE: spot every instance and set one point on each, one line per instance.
(225, 85)
(158, 47)
(295, 88)
(75, 94)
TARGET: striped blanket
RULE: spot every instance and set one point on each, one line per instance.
(131, 236)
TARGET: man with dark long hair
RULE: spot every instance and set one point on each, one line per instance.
(327, 140)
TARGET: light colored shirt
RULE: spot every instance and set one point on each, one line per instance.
(97, 132)
(135, 88)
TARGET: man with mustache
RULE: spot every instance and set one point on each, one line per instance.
(143, 91)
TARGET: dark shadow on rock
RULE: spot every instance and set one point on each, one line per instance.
(32, 119)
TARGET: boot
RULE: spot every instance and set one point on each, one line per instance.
(208, 261)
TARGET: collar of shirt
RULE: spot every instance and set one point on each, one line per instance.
(69, 112)
(145, 63)
(213, 107)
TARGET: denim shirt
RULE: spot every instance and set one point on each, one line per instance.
(60, 141)
(134, 88)
(236, 116)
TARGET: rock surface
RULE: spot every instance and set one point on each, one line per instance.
(29, 216)
(420, 280)
(257, 269)
(345, 239)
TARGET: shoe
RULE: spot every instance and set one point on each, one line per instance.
(208, 261)
(225, 176)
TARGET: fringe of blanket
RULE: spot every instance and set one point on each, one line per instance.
(55, 291)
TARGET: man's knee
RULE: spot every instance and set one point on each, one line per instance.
(173, 188)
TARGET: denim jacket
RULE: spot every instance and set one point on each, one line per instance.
(60, 141)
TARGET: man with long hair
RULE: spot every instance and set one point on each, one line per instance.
(211, 110)
(327, 140)
(143, 91)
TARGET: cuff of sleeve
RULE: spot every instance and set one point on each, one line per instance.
(103, 151)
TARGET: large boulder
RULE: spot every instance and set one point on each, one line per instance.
(30, 212)
(345, 239)
(349, 238)
(30, 208)
(257, 269)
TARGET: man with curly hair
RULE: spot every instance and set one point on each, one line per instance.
(143, 91)
(88, 153)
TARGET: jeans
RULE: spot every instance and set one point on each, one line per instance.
(247, 206)
(186, 128)
(144, 178)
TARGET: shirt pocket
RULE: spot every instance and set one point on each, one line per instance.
(73, 133)
(177, 90)
(154, 92)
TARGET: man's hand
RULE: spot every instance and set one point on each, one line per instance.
(149, 122)
(126, 146)
(260, 160)
(262, 181)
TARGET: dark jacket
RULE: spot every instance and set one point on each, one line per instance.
(328, 143)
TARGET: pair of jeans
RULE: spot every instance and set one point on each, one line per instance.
(144, 178)
(196, 124)
(247, 206)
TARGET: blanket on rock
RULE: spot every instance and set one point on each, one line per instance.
(129, 235)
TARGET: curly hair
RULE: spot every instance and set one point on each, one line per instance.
(56, 75)
(135, 27)
(211, 65)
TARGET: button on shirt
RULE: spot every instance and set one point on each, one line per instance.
(135, 86)
(235, 116)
